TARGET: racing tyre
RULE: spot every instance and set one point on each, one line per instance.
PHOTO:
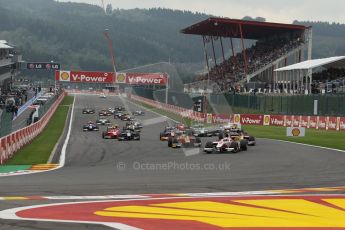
(103, 135)
(235, 146)
(251, 138)
(220, 136)
(170, 141)
(244, 145)
(161, 135)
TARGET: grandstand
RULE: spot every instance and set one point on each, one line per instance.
(264, 47)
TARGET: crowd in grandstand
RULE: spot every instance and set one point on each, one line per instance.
(259, 55)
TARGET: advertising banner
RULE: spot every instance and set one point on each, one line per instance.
(304, 121)
(342, 123)
(42, 66)
(312, 122)
(84, 76)
(276, 120)
(147, 79)
(251, 119)
(332, 123)
(221, 118)
(322, 123)
(288, 120)
(295, 131)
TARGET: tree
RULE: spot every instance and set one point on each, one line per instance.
(109, 9)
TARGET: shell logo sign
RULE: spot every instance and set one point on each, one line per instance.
(295, 131)
(121, 78)
(65, 76)
(267, 120)
(237, 118)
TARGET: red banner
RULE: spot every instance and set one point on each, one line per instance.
(295, 121)
(312, 122)
(342, 123)
(304, 121)
(332, 123)
(276, 120)
(142, 78)
(221, 118)
(322, 123)
(84, 76)
(288, 120)
(252, 119)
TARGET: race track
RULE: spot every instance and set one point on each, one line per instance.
(108, 167)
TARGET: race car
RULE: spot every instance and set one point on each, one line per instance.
(118, 114)
(135, 124)
(90, 126)
(103, 96)
(119, 108)
(112, 132)
(242, 135)
(127, 117)
(181, 126)
(138, 113)
(226, 145)
(168, 132)
(104, 112)
(128, 135)
(184, 140)
(199, 130)
(88, 110)
(103, 121)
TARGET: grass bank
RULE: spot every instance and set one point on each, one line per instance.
(38, 152)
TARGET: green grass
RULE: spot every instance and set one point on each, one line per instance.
(330, 139)
(38, 152)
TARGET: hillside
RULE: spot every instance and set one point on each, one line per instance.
(72, 34)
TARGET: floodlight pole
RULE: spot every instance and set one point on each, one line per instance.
(111, 52)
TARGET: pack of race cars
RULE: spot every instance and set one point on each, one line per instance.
(228, 138)
(130, 131)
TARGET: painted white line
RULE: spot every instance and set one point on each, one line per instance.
(154, 121)
(64, 147)
(307, 145)
(94, 197)
(147, 109)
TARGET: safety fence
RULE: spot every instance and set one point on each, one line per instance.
(13, 142)
(315, 122)
(91, 92)
(327, 105)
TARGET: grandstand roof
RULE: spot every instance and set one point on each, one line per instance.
(331, 62)
(226, 27)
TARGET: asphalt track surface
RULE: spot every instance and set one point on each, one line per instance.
(108, 167)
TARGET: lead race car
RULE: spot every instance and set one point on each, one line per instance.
(105, 112)
(90, 126)
(226, 145)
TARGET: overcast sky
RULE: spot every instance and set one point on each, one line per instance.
(273, 10)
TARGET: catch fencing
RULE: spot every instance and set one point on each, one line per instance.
(13, 142)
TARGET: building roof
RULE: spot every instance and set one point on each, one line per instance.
(226, 27)
(5, 46)
(331, 62)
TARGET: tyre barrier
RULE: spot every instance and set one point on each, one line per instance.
(13, 142)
